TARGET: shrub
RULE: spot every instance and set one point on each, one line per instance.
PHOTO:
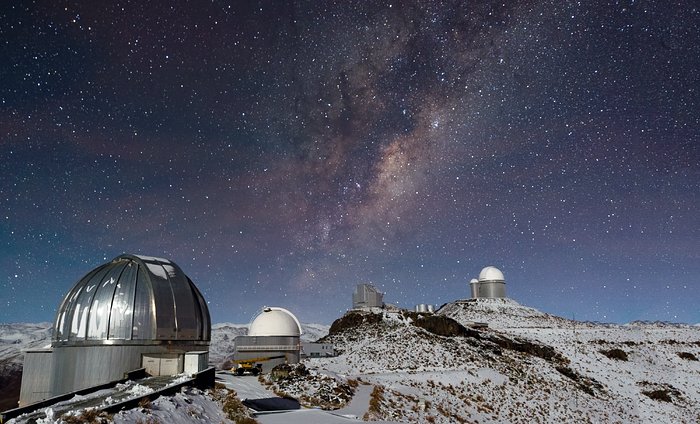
(376, 399)
(235, 410)
(617, 354)
(90, 416)
(687, 355)
(145, 403)
(662, 395)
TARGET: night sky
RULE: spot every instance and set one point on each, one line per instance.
(282, 152)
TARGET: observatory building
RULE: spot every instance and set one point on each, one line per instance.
(273, 338)
(367, 296)
(132, 312)
(490, 285)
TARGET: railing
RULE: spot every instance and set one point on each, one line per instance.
(267, 347)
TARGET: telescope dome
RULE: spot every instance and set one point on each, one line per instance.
(491, 273)
(132, 299)
(275, 322)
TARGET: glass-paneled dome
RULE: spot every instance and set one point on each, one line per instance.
(133, 299)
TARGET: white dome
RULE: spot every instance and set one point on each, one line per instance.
(473, 281)
(491, 273)
(275, 322)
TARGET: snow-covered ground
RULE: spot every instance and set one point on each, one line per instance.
(528, 366)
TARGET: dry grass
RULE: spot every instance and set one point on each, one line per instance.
(89, 416)
(231, 405)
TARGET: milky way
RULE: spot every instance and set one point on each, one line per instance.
(282, 152)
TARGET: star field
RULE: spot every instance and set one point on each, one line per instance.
(282, 152)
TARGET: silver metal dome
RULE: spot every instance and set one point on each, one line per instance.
(133, 299)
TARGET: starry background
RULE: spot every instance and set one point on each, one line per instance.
(282, 152)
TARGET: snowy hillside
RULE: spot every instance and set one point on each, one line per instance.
(13, 339)
(533, 368)
(16, 337)
(527, 366)
(501, 313)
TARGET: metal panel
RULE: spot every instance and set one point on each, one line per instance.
(67, 308)
(101, 305)
(152, 364)
(170, 364)
(492, 290)
(196, 361)
(122, 312)
(144, 310)
(133, 298)
(164, 302)
(77, 368)
(185, 312)
(36, 377)
(162, 363)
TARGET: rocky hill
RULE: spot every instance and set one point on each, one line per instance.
(528, 367)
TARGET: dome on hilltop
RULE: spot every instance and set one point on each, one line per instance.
(132, 298)
(273, 321)
(491, 273)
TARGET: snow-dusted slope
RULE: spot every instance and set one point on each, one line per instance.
(501, 313)
(528, 366)
(16, 337)
(534, 368)
(13, 339)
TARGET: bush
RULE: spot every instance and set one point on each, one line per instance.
(232, 406)
(662, 395)
(90, 416)
(687, 355)
(145, 403)
(376, 399)
(617, 354)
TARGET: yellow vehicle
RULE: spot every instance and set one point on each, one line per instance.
(251, 365)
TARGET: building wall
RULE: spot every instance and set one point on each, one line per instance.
(491, 290)
(316, 350)
(36, 376)
(474, 289)
(366, 296)
(250, 347)
(79, 367)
